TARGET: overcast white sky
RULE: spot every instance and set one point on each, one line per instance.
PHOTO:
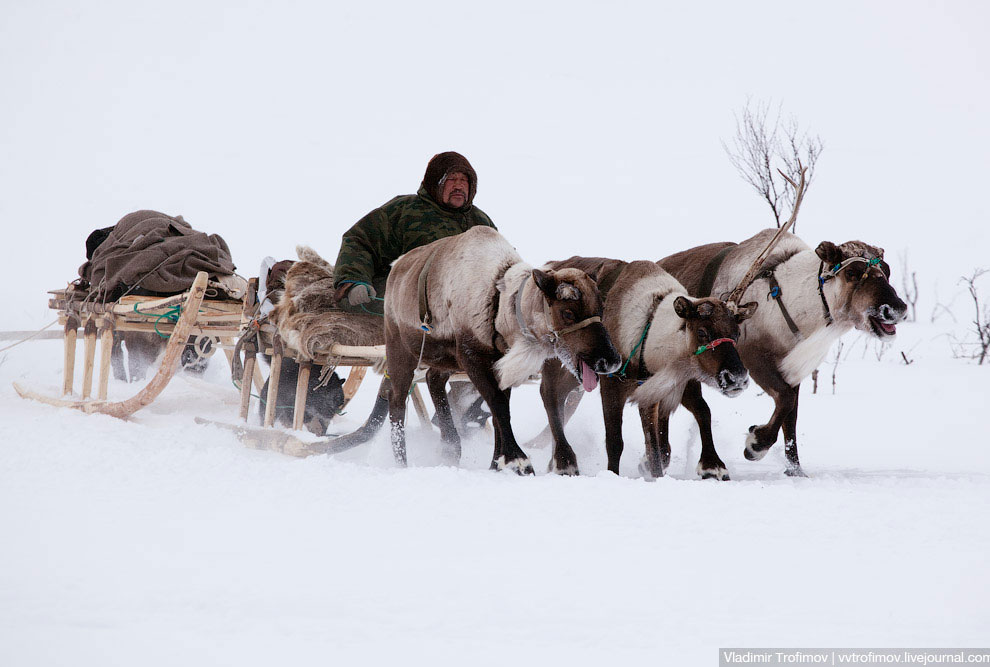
(595, 129)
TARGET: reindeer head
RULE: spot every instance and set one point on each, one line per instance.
(712, 327)
(855, 283)
(573, 312)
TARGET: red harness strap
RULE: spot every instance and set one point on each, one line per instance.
(715, 343)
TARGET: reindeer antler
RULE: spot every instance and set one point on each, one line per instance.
(750, 276)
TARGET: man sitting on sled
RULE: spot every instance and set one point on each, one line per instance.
(442, 207)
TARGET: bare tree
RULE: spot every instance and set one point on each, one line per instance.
(761, 145)
(909, 286)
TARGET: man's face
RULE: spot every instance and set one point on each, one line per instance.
(455, 190)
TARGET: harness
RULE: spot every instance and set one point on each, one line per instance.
(775, 293)
(643, 373)
(826, 275)
(712, 345)
(554, 334)
(424, 306)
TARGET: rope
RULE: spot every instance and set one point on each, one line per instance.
(622, 371)
(172, 314)
(23, 340)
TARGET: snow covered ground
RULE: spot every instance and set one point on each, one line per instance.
(158, 541)
(596, 130)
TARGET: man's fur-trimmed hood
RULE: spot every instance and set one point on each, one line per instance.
(444, 164)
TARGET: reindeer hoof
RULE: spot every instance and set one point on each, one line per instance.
(713, 472)
(519, 466)
(450, 455)
(649, 472)
(571, 470)
(794, 471)
(754, 451)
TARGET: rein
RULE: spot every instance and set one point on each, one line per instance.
(643, 371)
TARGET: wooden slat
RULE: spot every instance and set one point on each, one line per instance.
(302, 389)
(69, 356)
(249, 363)
(273, 382)
(89, 356)
(106, 351)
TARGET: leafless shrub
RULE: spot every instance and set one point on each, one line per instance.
(761, 145)
(909, 286)
(968, 348)
(835, 363)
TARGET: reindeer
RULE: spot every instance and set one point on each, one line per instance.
(819, 295)
(469, 302)
(671, 344)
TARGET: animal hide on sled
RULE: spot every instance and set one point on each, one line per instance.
(307, 317)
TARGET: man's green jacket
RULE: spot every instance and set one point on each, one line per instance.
(406, 222)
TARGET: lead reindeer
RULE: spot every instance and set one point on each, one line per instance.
(469, 302)
(819, 294)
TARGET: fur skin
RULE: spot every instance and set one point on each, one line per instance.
(307, 316)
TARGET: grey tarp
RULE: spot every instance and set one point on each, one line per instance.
(154, 252)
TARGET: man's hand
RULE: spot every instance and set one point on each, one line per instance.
(359, 294)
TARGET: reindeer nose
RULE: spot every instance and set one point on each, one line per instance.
(732, 383)
(890, 314)
(605, 365)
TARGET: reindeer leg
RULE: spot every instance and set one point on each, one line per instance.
(793, 468)
(372, 424)
(710, 466)
(436, 382)
(566, 407)
(663, 437)
(400, 372)
(613, 403)
(652, 465)
(478, 365)
(556, 385)
(762, 438)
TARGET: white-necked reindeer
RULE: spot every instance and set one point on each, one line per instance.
(469, 302)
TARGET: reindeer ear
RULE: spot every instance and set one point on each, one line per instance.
(547, 283)
(829, 253)
(746, 311)
(684, 308)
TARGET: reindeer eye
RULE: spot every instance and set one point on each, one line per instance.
(567, 316)
(703, 336)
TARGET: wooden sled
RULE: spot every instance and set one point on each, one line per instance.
(356, 357)
(220, 319)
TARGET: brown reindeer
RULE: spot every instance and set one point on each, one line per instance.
(671, 344)
(469, 302)
(819, 296)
